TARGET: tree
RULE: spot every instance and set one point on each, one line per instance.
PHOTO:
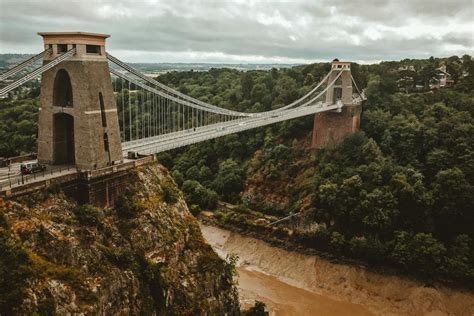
(195, 193)
(166, 160)
(428, 72)
(246, 83)
(422, 252)
(453, 202)
(259, 91)
(229, 180)
(15, 269)
(459, 260)
(309, 80)
(380, 209)
(178, 177)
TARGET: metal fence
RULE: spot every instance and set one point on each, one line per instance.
(20, 179)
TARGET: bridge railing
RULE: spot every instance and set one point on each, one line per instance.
(19, 179)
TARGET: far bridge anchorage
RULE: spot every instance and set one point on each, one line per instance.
(97, 115)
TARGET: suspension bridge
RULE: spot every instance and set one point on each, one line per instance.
(95, 109)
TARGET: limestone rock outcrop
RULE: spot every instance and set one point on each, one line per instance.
(146, 255)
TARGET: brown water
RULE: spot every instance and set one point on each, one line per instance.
(286, 300)
(291, 283)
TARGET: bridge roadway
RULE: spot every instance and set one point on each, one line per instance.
(11, 176)
(169, 141)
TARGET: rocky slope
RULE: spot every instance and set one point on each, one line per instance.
(274, 185)
(144, 256)
(359, 291)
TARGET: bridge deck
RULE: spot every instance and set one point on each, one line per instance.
(11, 183)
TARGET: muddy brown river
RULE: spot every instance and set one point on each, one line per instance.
(291, 283)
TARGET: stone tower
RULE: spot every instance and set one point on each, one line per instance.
(78, 121)
(331, 127)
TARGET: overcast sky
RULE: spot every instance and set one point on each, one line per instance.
(250, 31)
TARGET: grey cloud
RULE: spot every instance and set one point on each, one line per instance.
(297, 30)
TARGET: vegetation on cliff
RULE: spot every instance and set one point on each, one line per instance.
(396, 194)
(144, 256)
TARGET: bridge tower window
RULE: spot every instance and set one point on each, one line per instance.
(93, 49)
(62, 91)
(62, 48)
(102, 110)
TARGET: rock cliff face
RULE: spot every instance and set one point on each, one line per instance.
(144, 256)
(275, 185)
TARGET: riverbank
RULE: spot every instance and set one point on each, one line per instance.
(265, 272)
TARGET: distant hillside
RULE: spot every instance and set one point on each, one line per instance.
(9, 60)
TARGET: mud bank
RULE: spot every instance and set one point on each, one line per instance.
(277, 276)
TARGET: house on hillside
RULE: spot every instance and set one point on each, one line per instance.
(406, 82)
(407, 77)
(441, 79)
(406, 68)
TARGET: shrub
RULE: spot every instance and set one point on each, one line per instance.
(87, 214)
(169, 193)
(119, 256)
(154, 278)
(195, 209)
(15, 269)
(422, 252)
(195, 193)
(337, 241)
(219, 215)
(178, 177)
(165, 159)
(257, 310)
(126, 207)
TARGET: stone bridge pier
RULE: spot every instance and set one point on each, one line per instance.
(332, 127)
(78, 123)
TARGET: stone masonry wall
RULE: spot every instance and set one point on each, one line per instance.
(332, 127)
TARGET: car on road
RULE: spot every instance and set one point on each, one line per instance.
(31, 167)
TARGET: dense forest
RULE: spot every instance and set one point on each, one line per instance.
(396, 194)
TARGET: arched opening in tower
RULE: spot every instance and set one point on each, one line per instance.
(62, 94)
(63, 139)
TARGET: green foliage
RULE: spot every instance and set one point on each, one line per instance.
(15, 269)
(420, 251)
(156, 283)
(196, 194)
(169, 192)
(257, 310)
(229, 180)
(391, 191)
(165, 159)
(402, 186)
(178, 177)
(87, 214)
(18, 127)
(119, 256)
(246, 83)
(127, 205)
